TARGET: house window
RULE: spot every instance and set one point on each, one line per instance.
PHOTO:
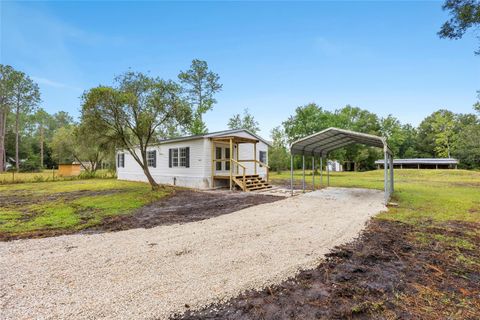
(183, 157)
(179, 157)
(121, 160)
(152, 158)
(175, 157)
(263, 157)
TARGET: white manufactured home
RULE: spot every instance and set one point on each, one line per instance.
(231, 158)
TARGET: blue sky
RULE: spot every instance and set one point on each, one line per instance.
(271, 56)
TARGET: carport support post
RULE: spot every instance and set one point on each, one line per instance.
(385, 178)
(230, 164)
(303, 168)
(391, 174)
(313, 172)
(321, 170)
(291, 172)
(328, 172)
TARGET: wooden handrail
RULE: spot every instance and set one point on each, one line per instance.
(238, 162)
(244, 168)
(260, 163)
(257, 161)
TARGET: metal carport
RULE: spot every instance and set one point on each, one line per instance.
(320, 144)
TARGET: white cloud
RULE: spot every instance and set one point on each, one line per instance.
(54, 84)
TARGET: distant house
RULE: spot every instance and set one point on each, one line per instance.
(230, 158)
(334, 165)
(422, 163)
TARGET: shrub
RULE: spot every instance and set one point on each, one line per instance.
(32, 164)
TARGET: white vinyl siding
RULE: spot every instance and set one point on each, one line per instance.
(199, 158)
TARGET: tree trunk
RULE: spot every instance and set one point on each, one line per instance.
(17, 120)
(144, 166)
(152, 182)
(41, 146)
(2, 139)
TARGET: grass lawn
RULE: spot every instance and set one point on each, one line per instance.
(436, 195)
(434, 234)
(45, 208)
(428, 198)
(43, 176)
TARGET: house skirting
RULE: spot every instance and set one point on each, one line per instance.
(181, 181)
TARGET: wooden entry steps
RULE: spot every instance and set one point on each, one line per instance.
(253, 182)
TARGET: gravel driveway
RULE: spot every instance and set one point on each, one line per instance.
(152, 273)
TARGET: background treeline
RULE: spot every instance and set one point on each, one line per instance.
(441, 134)
(141, 110)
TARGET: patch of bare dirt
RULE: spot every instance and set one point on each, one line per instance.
(184, 206)
(385, 274)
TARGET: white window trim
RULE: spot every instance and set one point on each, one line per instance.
(153, 158)
(179, 157)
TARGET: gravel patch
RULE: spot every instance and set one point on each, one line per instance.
(153, 273)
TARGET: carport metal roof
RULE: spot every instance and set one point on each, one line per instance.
(323, 142)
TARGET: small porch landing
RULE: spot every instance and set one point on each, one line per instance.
(235, 170)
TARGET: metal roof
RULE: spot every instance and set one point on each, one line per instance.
(323, 142)
(212, 135)
(443, 161)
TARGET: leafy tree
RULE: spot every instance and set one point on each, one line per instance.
(42, 118)
(200, 85)
(7, 74)
(465, 15)
(408, 148)
(134, 113)
(356, 119)
(278, 154)
(391, 129)
(245, 121)
(26, 96)
(307, 120)
(360, 120)
(311, 118)
(81, 144)
(438, 131)
(476, 106)
(467, 147)
(52, 123)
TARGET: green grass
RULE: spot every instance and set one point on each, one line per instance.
(45, 176)
(30, 208)
(437, 195)
(451, 241)
(437, 202)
